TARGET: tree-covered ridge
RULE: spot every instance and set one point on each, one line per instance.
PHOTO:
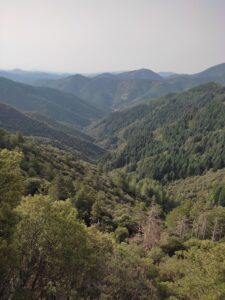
(197, 187)
(110, 200)
(62, 107)
(174, 137)
(51, 253)
(50, 131)
(71, 231)
(110, 91)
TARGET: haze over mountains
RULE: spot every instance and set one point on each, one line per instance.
(137, 180)
(80, 101)
(110, 91)
(29, 76)
(59, 106)
(50, 132)
(112, 161)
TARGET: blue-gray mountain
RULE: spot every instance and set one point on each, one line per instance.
(110, 91)
(60, 106)
(50, 132)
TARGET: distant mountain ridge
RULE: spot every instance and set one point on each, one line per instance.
(30, 76)
(107, 91)
(110, 91)
(62, 107)
(218, 70)
(139, 74)
(49, 131)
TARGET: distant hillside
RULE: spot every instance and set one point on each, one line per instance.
(174, 137)
(106, 91)
(29, 76)
(59, 106)
(49, 131)
(106, 75)
(62, 127)
(180, 83)
(135, 74)
(139, 74)
(215, 71)
(111, 91)
(167, 74)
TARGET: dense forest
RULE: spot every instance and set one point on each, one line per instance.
(70, 230)
(112, 150)
(174, 137)
(126, 207)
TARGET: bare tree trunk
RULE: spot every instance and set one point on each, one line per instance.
(214, 230)
(151, 229)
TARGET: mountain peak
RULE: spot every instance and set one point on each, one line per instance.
(106, 75)
(140, 74)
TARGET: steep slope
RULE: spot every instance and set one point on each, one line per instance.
(72, 84)
(53, 103)
(215, 71)
(174, 137)
(181, 83)
(122, 243)
(49, 132)
(197, 187)
(116, 91)
(100, 198)
(62, 127)
(104, 91)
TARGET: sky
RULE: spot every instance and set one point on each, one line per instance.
(88, 36)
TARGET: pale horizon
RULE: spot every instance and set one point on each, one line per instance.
(104, 71)
(83, 36)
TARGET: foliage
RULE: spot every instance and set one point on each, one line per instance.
(82, 233)
(131, 274)
(50, 132)
(10, 194)
(195, 274)
(174, 137)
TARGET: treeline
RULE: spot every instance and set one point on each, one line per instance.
(61, 230)
(174, 137)
(47, 253)
(70, 231)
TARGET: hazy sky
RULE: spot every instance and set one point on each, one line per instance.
(111, 35)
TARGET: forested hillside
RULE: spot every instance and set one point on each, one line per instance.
(106, 92)
(59, 106)
(50, 132)
(85, 258)
(134, 226)
(112, 150)
(130, 208)
(29, 77)
(147, 222)
(110, 91)
(174, 137)
(70, 230)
